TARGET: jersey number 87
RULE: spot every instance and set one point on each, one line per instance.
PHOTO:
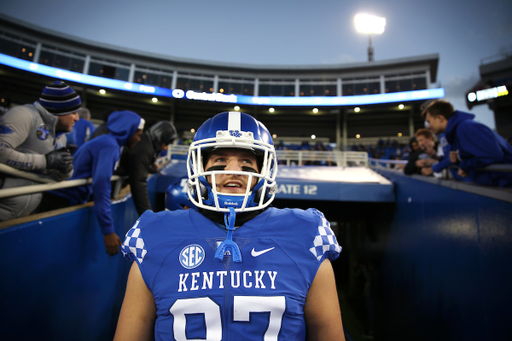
(242, 306)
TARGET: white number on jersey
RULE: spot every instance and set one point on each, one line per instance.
(242, 305)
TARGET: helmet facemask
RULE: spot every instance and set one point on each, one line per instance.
(203, 183)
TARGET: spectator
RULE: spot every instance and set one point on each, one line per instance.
(209, 262)
(424, 155)
(98, 159)
(426, 142)
(137, 162)
(474, 145)
(83, 129)
(437, 167)
(412, 147)
(102, 128)
(32, 138)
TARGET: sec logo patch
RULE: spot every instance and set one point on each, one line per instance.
(191, 256)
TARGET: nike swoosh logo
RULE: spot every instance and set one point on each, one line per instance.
(259, 253)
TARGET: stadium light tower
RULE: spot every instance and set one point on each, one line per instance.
(366, 23)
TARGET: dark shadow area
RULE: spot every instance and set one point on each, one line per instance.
(362, 229)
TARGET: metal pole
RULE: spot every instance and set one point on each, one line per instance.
(370, 49)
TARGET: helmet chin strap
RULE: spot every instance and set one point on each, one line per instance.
(229, 244)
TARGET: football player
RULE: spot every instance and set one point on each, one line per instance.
(236, 268)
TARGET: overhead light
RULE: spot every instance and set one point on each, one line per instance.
(192, 130)
(271, 109)
(154, 99)
(274, 136)
(401, 106)
(366, 23)
(313, 136)
(357, 109)
(399, 134)
(370, 24)
(102, 91)
(315, 111)
(358, 136)
(237, 108)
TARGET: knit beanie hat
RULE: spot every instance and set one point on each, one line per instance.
(59, 99)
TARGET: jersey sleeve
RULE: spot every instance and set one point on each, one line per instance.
(134, 248)
(324, 244)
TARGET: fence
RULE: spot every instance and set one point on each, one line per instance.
(294, 157)
(383, 163)
(47, 184)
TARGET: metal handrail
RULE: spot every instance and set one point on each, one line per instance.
(26, 175)
(299, 156)
(47, 185)
(491, 168)
(378, 162)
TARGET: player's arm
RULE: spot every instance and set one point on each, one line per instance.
(322, 309)
(138, 313)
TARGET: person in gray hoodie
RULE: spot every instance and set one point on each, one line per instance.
(33, 139)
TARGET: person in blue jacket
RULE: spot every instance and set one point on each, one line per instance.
(98, 159)
(474, 145)
(444, 162)
(82, 130)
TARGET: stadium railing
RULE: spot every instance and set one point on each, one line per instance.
(383, 163)
(180, 152)
(293, 157)
(46, 183)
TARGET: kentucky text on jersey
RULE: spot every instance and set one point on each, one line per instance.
(258, 279)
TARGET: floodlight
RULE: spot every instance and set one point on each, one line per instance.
(366, 23)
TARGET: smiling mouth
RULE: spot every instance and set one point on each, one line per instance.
(233, 187)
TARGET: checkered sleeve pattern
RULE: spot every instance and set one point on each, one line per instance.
(133, 247)
(325, 243)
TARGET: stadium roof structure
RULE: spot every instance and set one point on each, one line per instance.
(376, 99)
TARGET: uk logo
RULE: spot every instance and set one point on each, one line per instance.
(235, 133)
(6, 130)
(43, 132)
(191, 256)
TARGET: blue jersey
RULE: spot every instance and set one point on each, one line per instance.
(200, 297)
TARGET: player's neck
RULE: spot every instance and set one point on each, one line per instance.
(241, 218)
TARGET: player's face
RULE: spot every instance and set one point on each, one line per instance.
(66, 122)
(234, 160)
